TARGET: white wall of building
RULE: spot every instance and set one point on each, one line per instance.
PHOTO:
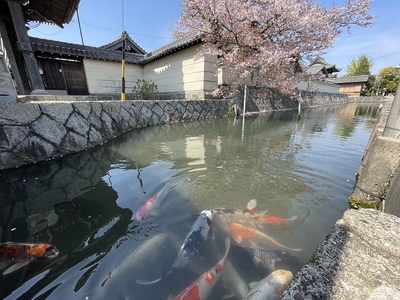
(318, 86)
(181, 72)
(106, 77)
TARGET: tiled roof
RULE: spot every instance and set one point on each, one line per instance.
(319, 62)
(350, 79)
(314, 69)
(76, 50)
(58, 12)
(179, 44)
(117, 43)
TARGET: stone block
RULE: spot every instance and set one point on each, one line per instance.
(381, 166)
(57, 111)
(18, 113)
(49, 129)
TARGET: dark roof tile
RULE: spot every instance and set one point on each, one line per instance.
(55, 47)
(350, 79)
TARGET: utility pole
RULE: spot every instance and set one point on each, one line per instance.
(123, 56)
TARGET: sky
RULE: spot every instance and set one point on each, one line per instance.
(150, 24)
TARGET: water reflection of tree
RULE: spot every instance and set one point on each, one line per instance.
(348, 119)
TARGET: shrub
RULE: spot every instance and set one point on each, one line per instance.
(145, 89)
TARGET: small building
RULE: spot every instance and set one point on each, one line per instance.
(319, 73)
(75, 69)
(351, 85)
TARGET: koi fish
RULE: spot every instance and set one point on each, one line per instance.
(244, 235)
(148, 208)
(122, 274)
(20, 254)
(271, 287)
(193, 244)
(247, 216)
(267, 260)
(200, 289)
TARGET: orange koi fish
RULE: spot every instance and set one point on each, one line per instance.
(20, 254)
(244, 235)
(148, 208)
(201, 287)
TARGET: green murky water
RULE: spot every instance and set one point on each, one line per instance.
(86, 204)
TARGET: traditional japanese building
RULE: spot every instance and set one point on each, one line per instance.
(14, 16)
(42, 66)
(322, 68)
(351, 85)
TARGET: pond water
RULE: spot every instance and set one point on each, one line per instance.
(88, 205)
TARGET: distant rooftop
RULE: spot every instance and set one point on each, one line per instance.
(322, 67)
(350, 79)
(130, 45)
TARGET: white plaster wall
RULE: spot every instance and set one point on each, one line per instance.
(105, 77)
(318, 86)
(181, 72)
(210, 74)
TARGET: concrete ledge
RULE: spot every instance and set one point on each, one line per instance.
(359, 259)
(380, 169)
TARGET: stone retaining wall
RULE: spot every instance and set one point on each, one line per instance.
(33, 132)
(268, 99)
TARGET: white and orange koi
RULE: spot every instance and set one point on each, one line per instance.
(271, 287)
(20, 254)
(201, 288)
(245, 236)
(247, 216)
(148, 208)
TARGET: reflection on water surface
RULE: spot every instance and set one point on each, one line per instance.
(87, 204)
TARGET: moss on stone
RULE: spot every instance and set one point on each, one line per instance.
(359, 203)
(230, 109)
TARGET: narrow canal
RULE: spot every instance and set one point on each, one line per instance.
(88, 205)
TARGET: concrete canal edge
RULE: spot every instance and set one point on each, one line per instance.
(359, 259)
(49, 128)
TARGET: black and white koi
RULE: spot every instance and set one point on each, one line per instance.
(193, 245)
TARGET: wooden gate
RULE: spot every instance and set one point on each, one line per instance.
(75, 78)
(51, 74)
(63, 75)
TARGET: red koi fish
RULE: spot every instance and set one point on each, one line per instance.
(248, 236)
(148, 208)
(20, 254)
(202, 286)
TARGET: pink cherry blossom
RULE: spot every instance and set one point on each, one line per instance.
(268, 41)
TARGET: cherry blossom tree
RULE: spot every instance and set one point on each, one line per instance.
(268, 41)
